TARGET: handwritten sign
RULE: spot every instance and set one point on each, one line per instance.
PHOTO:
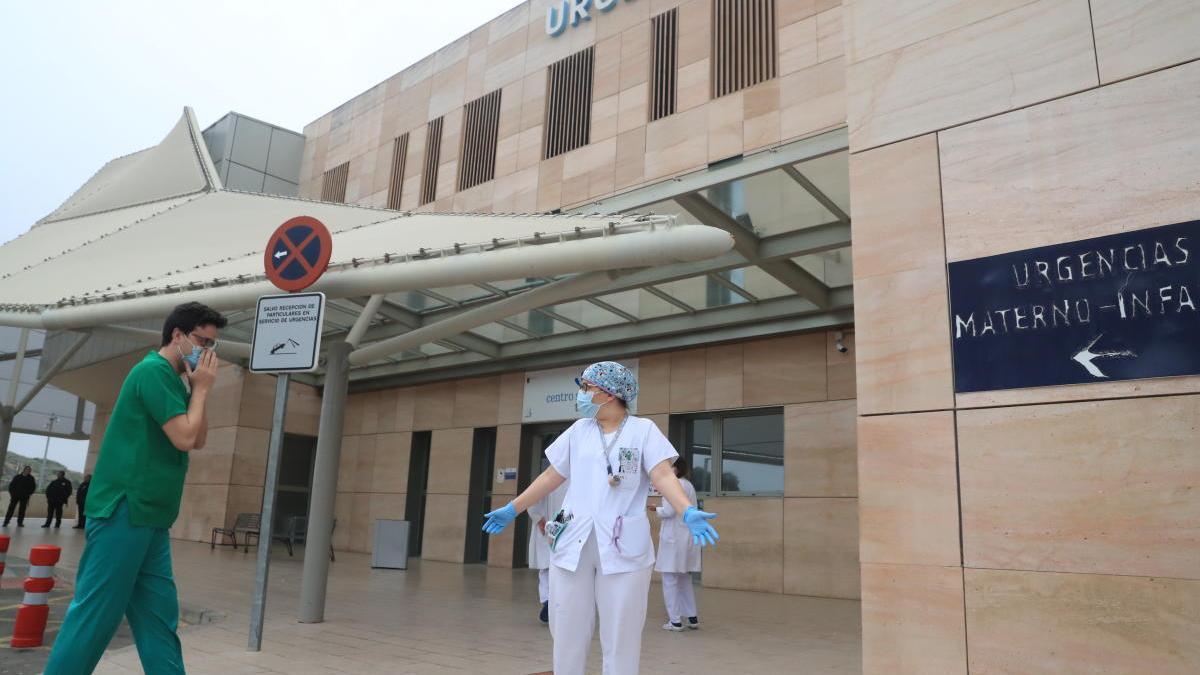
(1120, 307)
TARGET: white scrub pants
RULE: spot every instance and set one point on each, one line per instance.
(621, 600)
(678, 595)
(543, 584)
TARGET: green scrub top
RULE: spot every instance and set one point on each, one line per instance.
(137, 461)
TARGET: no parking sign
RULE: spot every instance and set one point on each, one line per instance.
(298, 253)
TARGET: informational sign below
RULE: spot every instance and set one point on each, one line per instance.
(550, 394)
(1120, 307)
(287, 333)
(298, 253)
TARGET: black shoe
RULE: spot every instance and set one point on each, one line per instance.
(544, 615)
(20, 524)
(57, 525)
(693, 622)
(45, 526)
(77, 527)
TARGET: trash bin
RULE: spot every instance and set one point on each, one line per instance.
(391, 544)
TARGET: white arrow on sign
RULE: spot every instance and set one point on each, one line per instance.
(280, 254)
(1086, 356)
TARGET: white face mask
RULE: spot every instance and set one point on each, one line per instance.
(584, 405)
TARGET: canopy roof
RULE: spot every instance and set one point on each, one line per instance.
(156, 228)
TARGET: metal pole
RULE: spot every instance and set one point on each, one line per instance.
(45, 453)
(266, 526)
(6, 425)
(324, 488)
(8, 413)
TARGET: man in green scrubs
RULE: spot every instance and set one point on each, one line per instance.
(134, 498)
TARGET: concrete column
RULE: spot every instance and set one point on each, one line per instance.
(6, 423)
(324, 487)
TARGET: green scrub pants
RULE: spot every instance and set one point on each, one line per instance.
(125, 571)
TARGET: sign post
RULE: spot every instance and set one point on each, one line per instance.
(287, 339)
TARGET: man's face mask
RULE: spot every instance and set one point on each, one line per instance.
(192, 359)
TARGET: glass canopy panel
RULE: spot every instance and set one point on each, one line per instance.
(414, 301)
(462, 293)
(641, 303)
(831, 175)
(762, 285)
(517, 284)
(587, 314)
(538, 323)
(704, 292)
(834, 268)
(770, 203)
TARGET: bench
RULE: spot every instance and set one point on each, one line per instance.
(247, 524)
(295, 530)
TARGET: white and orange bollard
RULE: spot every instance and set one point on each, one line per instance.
(30, 627)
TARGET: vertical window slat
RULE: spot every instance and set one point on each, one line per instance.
(567, 123)
(481, 122)
(433, 152)
(664, 35)
(744, 44)
(333, 183)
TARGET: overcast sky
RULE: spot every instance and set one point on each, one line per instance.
(84, 82)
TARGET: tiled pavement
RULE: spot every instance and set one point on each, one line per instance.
(444, 618)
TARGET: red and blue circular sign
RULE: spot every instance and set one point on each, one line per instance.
(298, 253)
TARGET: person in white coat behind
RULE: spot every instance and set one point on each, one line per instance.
(678, 557)
(539, 545)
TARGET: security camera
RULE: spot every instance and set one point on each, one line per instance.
(839, 343)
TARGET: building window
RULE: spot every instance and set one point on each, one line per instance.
(481, 129)
(664, 31)
(396, 184)
(433, 155)
(333, 186)
(743, 45)
(568, 104)
(735, 453)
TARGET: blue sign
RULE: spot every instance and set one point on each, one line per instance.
(1120, 307)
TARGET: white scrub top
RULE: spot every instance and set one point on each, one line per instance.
(539, 544)
(676, 552)
(617, 514)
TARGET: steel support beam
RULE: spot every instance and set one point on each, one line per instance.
(240, 350)
(539, 297)
(54, 370)
(759, 162)
(747, 243)
(364, 320)
(324, 488)
(752, 320)
(836, 318)
(816, 193)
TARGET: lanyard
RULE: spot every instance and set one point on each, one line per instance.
(613, 479)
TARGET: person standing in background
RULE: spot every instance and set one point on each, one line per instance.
(81, 501)
(539, 545)
(678, 557)
(58, 493)
(20, 489)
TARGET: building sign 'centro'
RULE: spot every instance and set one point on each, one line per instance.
(570, 12)
(1119, 307)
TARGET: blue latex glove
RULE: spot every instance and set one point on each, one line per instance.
(499, 519)
(703, 534)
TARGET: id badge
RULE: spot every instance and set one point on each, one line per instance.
(631, 461)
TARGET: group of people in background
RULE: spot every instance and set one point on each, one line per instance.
(58, 494)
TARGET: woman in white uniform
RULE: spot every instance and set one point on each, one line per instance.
(678, 557)
(600, 539)
(539, 545)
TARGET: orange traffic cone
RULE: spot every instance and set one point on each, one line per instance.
(30, 627)
(3, 554)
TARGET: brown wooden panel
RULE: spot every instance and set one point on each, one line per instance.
(433, 152)
(396, 182)
(333, 185)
